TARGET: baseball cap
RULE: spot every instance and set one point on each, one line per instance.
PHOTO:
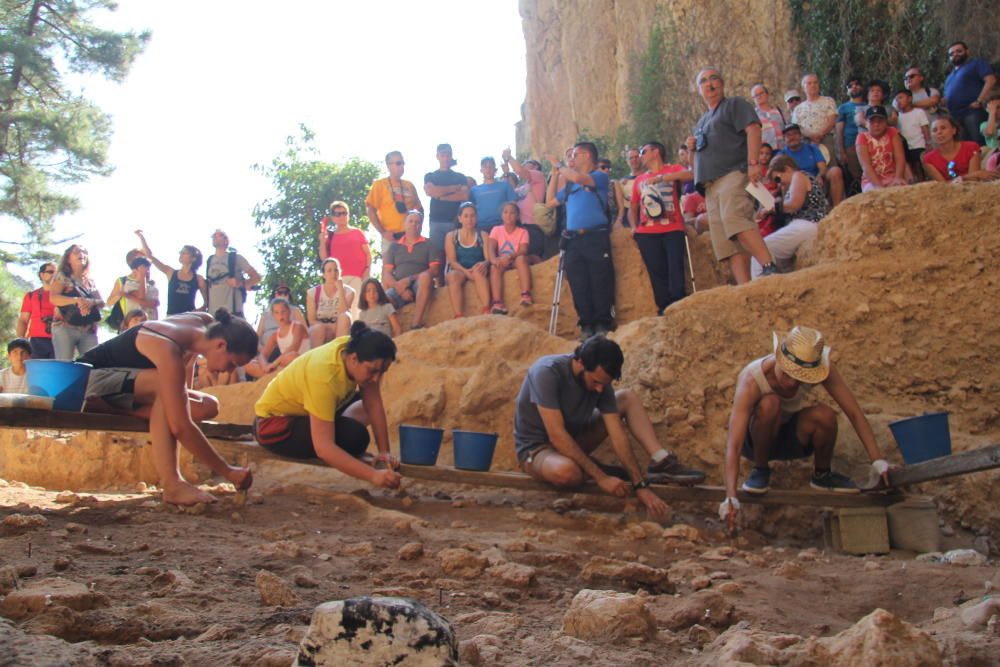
(789, 94)
(876, 110)
(792, 127)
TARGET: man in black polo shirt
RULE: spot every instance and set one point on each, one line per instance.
(447, 189)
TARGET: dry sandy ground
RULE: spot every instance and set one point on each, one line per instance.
(170, 588)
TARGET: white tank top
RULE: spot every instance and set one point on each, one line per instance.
(790, 405)
(327, 307)
(285, 342)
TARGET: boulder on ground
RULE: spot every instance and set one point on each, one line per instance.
(513, 574)
(600, 570)
(377, 631)
(461, 563)
(274, 591)
(880, 639)
(706, 608)
(38, 595)
(608, 616)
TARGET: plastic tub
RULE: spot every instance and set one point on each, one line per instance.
(473, 450)
(419, 445)
(922, 438)
(64, 381)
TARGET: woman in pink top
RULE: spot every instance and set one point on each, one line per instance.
(530, 192)
(348, 245)
(950, 160)
(510, 251)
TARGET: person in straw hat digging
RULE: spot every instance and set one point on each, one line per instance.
(771, 419)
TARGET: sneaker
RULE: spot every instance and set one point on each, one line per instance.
(586, 331)
(526, 299)
(833, 481)
(672, 470)
(768, 269)
(759, 481)
(498, 309)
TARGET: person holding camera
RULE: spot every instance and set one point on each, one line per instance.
(803, 204)
(349, 246)
(79, 302)
(388, 201)
(726, 144)
(37, 315)
(229, 276)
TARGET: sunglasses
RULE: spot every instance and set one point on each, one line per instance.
(910, 76)
(951, 170)
(339, 214)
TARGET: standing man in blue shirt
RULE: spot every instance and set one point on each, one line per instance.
(490, 196)
(847, 133)
(966, 89)
(587, 238)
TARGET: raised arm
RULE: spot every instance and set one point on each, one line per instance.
(166, 269)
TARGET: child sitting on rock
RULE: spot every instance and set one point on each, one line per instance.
(510, 242)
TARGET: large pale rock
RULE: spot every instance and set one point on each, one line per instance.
(880, 639)
(377, 631)
(274, 591)
(600, 570)
(461, 563)
(22, 523)
(706, 608)
(38, 595)
(513, 574)
(608, 616)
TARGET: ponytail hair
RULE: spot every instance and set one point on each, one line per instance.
(240, 337)
(370, 345)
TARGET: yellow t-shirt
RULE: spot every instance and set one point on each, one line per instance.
(315, 383)
(383, 199)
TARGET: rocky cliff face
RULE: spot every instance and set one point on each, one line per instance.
(581, 57)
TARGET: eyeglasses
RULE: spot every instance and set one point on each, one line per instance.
(398, 163)
(338, 214)
(710, 77)
(910, 76)
(951, 170)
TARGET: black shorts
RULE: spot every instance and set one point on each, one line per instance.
(349, 434)
(536, 240)
(913, 155)
(786, 447)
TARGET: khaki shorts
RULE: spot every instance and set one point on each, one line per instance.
(355, 282)
(730, 212)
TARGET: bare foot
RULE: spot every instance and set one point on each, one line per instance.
(186, 494)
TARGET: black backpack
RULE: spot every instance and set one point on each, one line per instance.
(230, 273)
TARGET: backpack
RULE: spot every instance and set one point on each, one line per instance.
(230, 273)
(117, 315)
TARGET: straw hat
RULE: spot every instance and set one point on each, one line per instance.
(802, 354)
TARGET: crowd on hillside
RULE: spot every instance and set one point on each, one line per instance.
(798, 161)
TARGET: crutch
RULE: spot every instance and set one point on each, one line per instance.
(554, 313)
(687, 245)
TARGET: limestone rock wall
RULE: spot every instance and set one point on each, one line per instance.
(581, 53)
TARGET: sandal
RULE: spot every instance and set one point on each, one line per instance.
(526, 299)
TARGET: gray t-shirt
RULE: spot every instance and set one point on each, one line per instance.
(378, 317)
(550, 383)
(722, 133)
(220, 294)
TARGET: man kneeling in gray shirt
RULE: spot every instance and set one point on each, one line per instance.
(566, 407)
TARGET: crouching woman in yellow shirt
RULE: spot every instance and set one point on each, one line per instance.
(311, 410)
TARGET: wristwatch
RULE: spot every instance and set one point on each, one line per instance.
(644, 484)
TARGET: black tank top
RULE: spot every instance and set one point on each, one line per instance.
(181, 293)
(120, 351)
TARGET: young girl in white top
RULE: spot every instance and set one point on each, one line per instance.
(290, 340)
(327, 306)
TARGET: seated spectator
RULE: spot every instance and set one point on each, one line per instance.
(183, 284)
(509, 245)
(810, 159)
(38, 314)
(137, 289)
(206, 377)
(990, 128)
(915, 130)
(695, 212)
(767, 221)
(951, 159)
(376, 311)
(14, 378)
(880, 151)
(877, 95)
(328, 305)
(267, 325)
(489, 197)
(349, 246)
(469, 258)
(772, 122)
(530, 192)
(312, 409)
(658, 224)
(133, 318)
(289, 341)
(803, 204)
(409, 267)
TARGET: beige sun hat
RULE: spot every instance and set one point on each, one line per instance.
(802, 354)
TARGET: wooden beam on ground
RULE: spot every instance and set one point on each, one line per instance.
(974, 460)
(94, 421)
(243, 453)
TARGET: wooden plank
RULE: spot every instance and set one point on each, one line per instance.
(974, 460)
(243, 453)
(93, 421)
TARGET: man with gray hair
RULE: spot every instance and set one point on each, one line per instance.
(725, 145)
(817, 116)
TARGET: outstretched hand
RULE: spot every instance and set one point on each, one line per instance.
(654, 505)
(613, 486)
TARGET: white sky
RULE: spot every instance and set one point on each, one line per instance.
(222, 84)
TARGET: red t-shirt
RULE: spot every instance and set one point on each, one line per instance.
(966, 149)
(37, 304)
(694, 204)
(350, 249)
(671, 219)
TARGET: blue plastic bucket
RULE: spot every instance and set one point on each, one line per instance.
(473, 450)
(419, 445)
(922, 438)
(65, 381)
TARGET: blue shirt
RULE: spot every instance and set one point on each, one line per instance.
(489, 199)
(585, 209)
(807, 157)
(963, 85)
(845, 115)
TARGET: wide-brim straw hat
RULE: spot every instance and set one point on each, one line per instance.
(801, 354)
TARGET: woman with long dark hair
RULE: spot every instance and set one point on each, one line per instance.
(183, 284)
(146, 371)
(79, 302)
